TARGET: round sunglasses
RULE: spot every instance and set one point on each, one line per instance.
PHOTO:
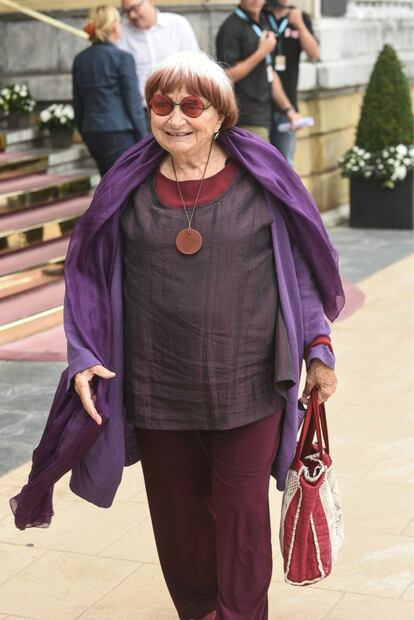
(191, 106)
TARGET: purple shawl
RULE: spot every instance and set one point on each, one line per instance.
(309, 285)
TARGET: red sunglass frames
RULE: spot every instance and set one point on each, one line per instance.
(191, 106)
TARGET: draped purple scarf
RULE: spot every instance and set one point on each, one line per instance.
(93, 322)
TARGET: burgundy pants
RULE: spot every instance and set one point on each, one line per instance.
(208, 497)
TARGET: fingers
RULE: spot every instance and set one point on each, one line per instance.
(88, 398)
(309, 385)
(323, 379)
(86, 394)
(103, 372)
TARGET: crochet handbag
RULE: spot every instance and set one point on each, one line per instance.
(311, 526)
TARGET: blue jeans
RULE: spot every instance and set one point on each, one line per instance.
(284, 142)
(106, 146)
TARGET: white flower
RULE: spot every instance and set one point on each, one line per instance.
(45, 116)
(400, 172)
(401, 149)
(385, 153)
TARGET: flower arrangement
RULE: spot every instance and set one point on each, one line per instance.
(16, 98)
(58, 116)
(387, 166)
(383, 148)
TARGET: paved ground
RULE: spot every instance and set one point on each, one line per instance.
(99, 564)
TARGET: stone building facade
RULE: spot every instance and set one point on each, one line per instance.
(331, 89)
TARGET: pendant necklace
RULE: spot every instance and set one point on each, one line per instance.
(189, 241)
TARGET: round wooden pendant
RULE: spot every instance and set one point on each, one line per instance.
(188, 241)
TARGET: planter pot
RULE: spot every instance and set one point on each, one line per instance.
(60, 138)
(18, 121)
(333, 8)
(374, 206)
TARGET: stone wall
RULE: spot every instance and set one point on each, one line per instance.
(331, 90)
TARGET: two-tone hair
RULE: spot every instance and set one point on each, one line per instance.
(102, 20)
(197, 74)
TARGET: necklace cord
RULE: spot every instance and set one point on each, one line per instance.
(190, 219)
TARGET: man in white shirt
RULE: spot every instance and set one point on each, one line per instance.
(151, 36)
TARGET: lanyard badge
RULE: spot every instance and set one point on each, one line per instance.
(280, 59)
(269, 62)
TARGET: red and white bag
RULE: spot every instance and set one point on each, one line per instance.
(311, 525)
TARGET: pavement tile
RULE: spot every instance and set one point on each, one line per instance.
(60, 586)
(377, 505)
(77, 526)
(408, 529)
(372, 563)
(137, 544)
(288, 602)
(370, 608)
(15, 618)
(142, 596)
(408, 594)
(396, 465)
(14, 559)
(132, 483)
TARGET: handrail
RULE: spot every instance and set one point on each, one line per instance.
(44, 18)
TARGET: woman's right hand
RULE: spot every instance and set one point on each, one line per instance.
(86, 394)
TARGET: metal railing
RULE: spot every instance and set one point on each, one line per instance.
(44, 18)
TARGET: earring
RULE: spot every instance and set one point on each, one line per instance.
(216, 134)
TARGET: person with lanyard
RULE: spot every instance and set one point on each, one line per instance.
(245, 46)
(294, 33)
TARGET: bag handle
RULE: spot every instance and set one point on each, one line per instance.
(315, 420)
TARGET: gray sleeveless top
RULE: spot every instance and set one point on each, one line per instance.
(205, 342)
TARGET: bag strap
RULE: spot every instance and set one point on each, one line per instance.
(315, 421)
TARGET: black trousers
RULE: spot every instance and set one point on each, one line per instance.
(106, 146)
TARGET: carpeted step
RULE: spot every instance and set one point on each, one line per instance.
(35, 226)
(31, 312)
(13, 165)
(35, 190)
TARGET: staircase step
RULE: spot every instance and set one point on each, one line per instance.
(31, 325)
(12, 137)
(34, 190)
(31, 312)
(17, 164)
(32, 257)
(15, 283)
(46, 346)
(29, 228)
(31, 302)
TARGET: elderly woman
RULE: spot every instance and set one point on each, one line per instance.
(108, 111)
(196, 284)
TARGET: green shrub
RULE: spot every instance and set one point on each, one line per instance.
(386, 116)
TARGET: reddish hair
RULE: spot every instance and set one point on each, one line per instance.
(198, 75)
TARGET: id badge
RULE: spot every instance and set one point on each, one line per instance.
(280, 62)
(269, 70)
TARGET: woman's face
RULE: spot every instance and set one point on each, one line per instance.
(181, 135)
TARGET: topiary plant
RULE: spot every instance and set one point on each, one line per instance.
(386, 117)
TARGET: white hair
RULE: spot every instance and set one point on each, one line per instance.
(199, 64)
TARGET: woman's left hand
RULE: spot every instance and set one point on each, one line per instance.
(323, 378)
